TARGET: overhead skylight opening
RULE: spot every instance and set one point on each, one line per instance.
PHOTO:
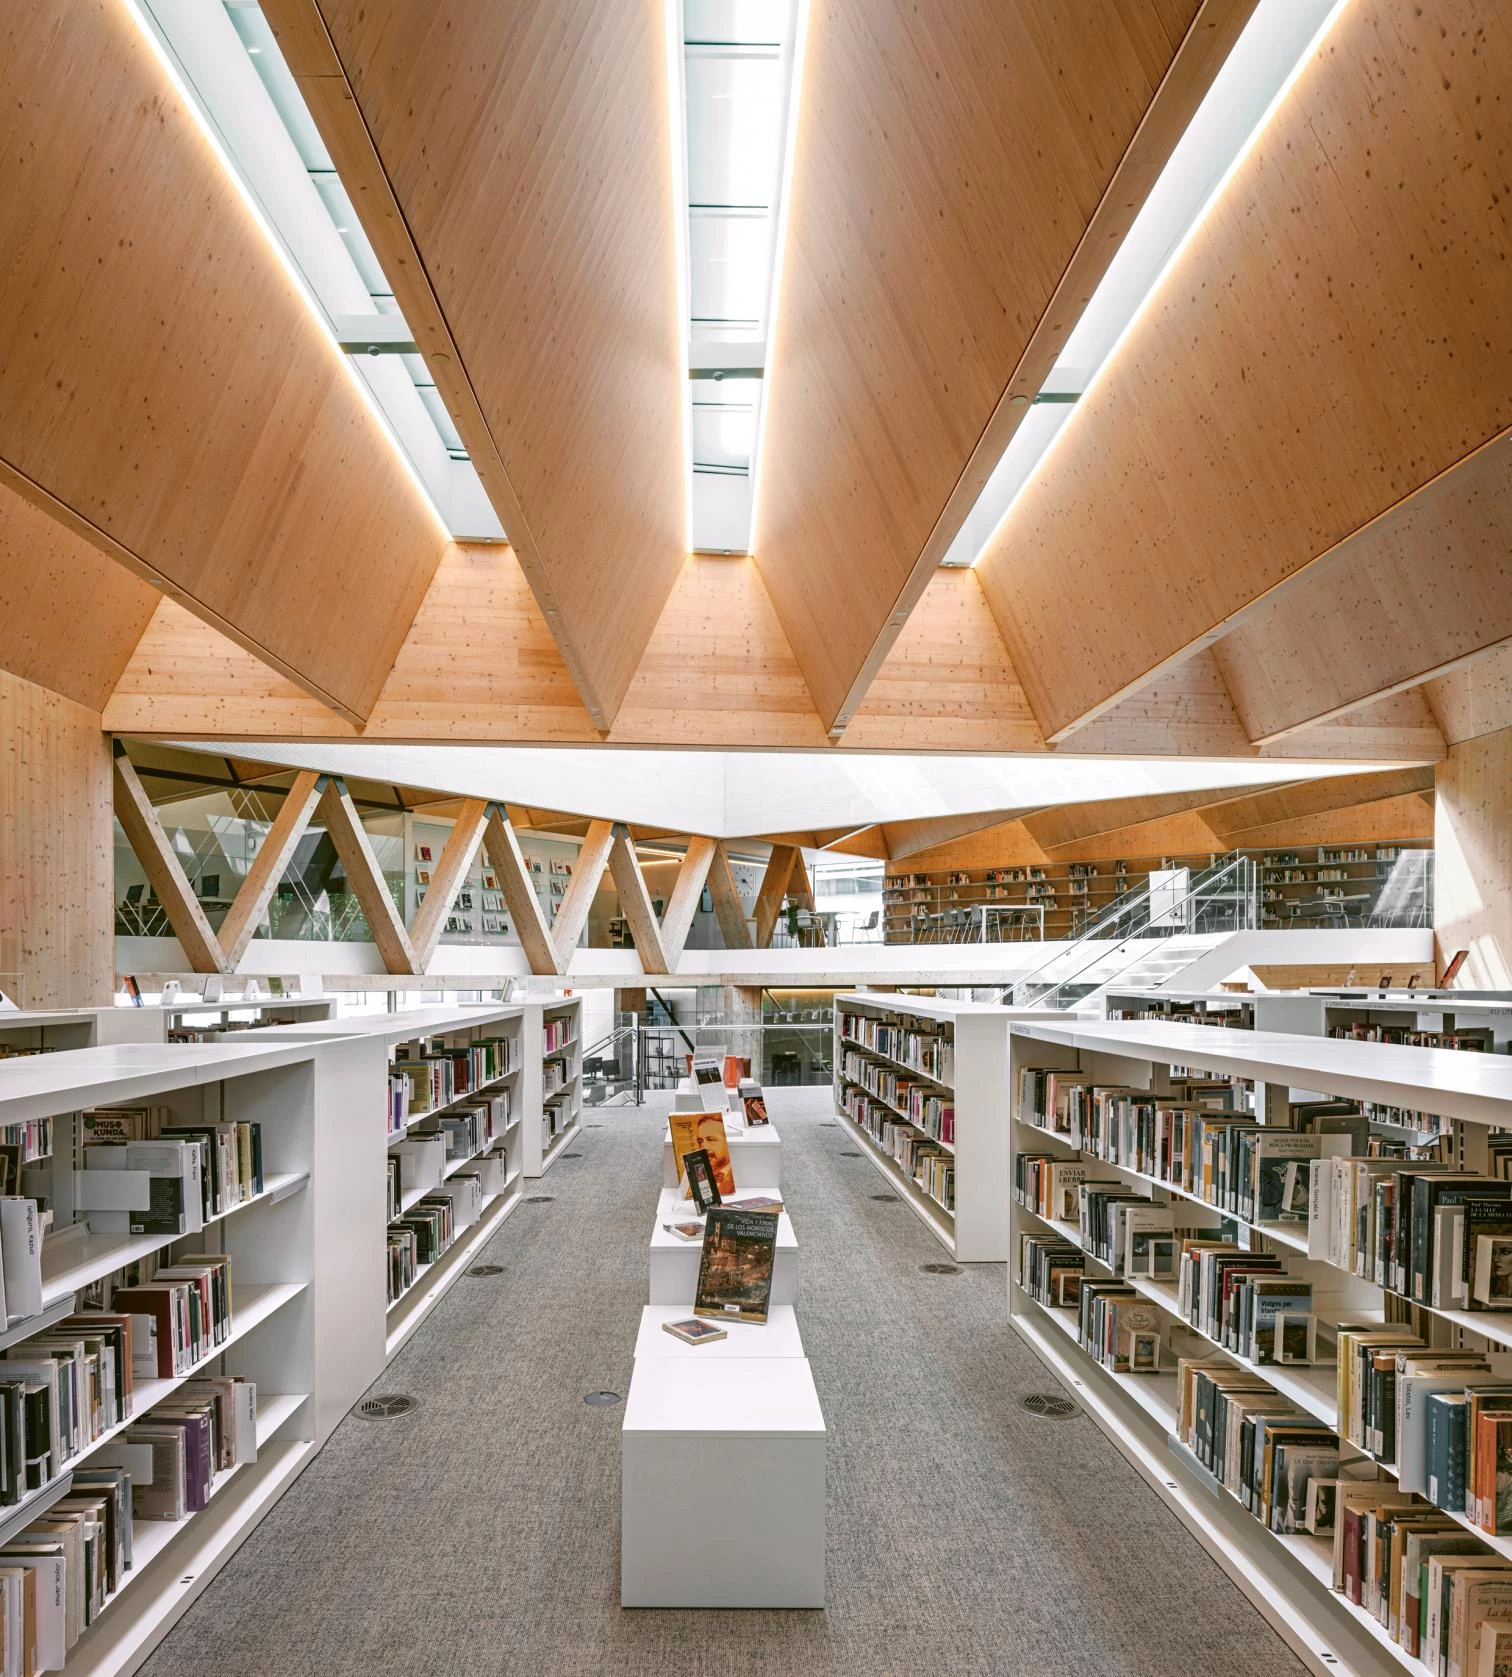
(1272, 51)
(227, 59)
(737, 80)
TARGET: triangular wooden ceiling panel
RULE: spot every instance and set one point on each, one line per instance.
(1352, 275)
(937, 257)
(511, 164)
(164, 390)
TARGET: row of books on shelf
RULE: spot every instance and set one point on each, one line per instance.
(930, 1051)
(1437, 1590)
(465, 1129)
(922, 1104)
(1182, 1013)
(924, 1162)
(556, 1033)
(554, 1077)
(60, 1573)
(438, 1073)
(1477, 1040)
(193, 1172)
(62, 1389)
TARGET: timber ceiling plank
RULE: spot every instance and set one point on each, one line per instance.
(1474, 699)
(1426, 588)
(963, 176)
(1293, 802)
(1353, 272)
(70, 618)
(164, 390)
(511, 163)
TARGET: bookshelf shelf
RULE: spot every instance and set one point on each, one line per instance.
(554, 1078)
(964, 1045)
(1471, 1092)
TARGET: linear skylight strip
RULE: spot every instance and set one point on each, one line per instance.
(171, 68)
(677, 139)
(1215, 95)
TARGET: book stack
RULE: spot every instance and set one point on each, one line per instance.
(422, 1234)
(1246, 1302)
(59, 1392)
(194, 1172)
(555, 1033)
(181, 1316)
(1051, 1270)
(438, 1073)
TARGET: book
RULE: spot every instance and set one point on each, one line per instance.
(694, 1130)
(1495, 1649)
(685, 1231)
(755, 1202)
(1492, 1269)
(735, 1271)
(701, 1185)
(755, 1110)
(692, 1331)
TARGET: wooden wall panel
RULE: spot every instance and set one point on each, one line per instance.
(1305, 798)
(57, 850)
(1473, 859)
(1072, 823)
(1327, 344)
(1423, 590)
(1474, 699)
(69, 617)
(163, 386)
(948, 661)
(963, 176)
(1008, 846)
(511, 162)
(1172, 835)
(1189, 706)
(1408, 816)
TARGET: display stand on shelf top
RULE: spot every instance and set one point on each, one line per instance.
(297, 1328)
(499, 1158)
(921, 1083)
(553, 1078)
(1289, 1574)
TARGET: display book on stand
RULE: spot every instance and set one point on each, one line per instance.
(112, 1418)
(722, 1395)
(1331, 1354)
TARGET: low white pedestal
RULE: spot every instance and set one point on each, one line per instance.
(755, 1157)
(777, 1338)
(722, 1483)
(674, 1262)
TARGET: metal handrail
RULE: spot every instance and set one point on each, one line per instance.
(1202, 886)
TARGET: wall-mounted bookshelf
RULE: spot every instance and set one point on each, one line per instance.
(919, 1083)
(277, 1315)
(1124, 1156)
(1311, 885)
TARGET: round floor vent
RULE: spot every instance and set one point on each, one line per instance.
(1050, 1406)
(601, 1400)
(388, 1407)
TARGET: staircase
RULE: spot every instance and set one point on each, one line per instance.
(1147, 939)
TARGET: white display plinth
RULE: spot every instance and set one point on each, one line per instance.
(674, 1262)
(722, 1483)
(778, 1338)
(755, 1157)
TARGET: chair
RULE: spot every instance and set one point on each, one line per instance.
(869, 924)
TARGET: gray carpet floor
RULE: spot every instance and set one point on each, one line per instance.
(480, 1534)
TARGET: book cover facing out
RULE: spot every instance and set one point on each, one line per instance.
(700, 1174)
(735, 1270)
(694, 1130)
(755, 1109)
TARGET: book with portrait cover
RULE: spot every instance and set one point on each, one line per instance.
(694, 1130)
(735, 1270)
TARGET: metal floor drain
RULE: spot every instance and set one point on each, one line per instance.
(1051, 1406)
(386, 1408)
(540, 1199)
(601, 1400)
(484, 1270)
(940, 1269)
(887, 1199)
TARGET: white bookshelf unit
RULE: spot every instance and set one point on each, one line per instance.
(502, 1158)
(291, 1330)
(1288, 1575)
(554, 1079)
(926, 1101)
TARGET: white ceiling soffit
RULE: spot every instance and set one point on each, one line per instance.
(737, 74)
(728, 794)
(1278, 37)
(228, 60)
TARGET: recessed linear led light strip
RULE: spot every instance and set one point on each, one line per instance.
(187, 97)
(779, 259)
(1178, 250)
(677, 138)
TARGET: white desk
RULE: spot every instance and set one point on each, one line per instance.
(722, 1483)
